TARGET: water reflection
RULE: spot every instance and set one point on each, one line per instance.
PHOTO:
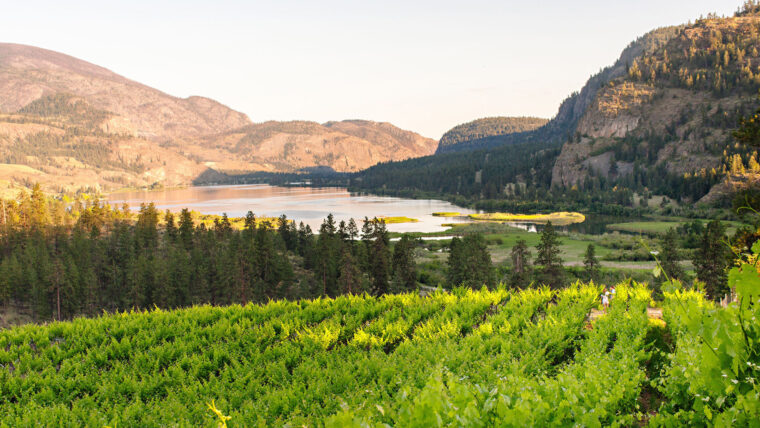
(307, 204)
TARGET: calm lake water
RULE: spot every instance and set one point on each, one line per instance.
(307, 204)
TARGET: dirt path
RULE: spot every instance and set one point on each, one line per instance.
(655, 313)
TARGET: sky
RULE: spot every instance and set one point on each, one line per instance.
(425, 66)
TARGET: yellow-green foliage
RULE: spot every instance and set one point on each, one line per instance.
(559, 218)
(446, 214)
(235, 222)
(466, 358)
(397, 219)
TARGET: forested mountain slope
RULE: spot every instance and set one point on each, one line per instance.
(69, 124)
(659, 121)
(461, 136)
(672, 113)
(492, 165)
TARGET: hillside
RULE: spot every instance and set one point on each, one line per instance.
(657, 122)
(494, 166)
(69, 125)
(472, 132)
(28, 73)
(476, 358)
(672, 113)
(345, 146)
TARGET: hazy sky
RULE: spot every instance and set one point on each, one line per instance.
(422, 65)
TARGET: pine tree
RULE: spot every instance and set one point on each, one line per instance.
(186, 229)
(470, 262)
(404, 266)
(39, 215)
(352, 229)
(171, 229)
(326, 257)
(669, 255)
(520, 276)
(349, 276)
(551, 271)
(146, 228)
(711, 260)
(380, 258)
(591, 263)
(284, 230)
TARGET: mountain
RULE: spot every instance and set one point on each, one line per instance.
(658, 121)
(493, 166)
(672, 113)
(460, 136)
(557, 130)
(28, 73)
(344, 146)
(69, 124)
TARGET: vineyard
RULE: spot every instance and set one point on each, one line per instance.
(468, 358)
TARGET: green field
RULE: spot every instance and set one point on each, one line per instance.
(501, 238)
(659, 227)
(474, 358)
(646, 227)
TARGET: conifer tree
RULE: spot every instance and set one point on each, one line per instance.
(669, 255)
(186, 228)
(326, 257)
(349, 277)
(352, 230)
(520, 276)
(551, 272)
(404, 266)
(711, 260)
(171, 229)
(380, 258)
(591, 263)
(469, 262)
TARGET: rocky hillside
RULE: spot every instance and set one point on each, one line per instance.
(70, 124)
(658, 121)
(345, 146)
(28, 73)
(671, 113)
(490, 166)
(562, 126)
(470, 133)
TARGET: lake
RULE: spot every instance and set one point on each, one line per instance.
(307, 204)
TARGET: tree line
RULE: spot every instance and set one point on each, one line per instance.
(61, 260)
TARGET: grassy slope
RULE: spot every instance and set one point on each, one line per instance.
(501, 238)
(659, 227)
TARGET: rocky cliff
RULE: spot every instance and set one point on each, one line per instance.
(672, 108)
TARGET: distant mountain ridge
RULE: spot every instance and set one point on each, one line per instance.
(29, 73)
(71, 124)
(462, 136)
